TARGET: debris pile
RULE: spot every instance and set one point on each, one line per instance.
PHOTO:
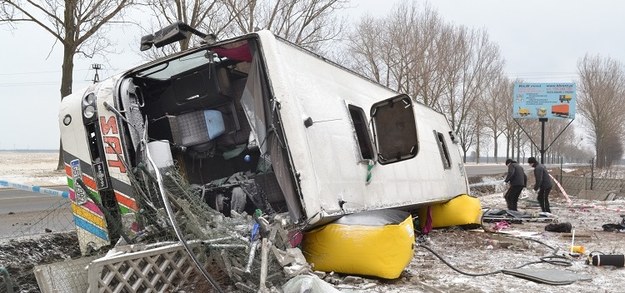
(255, 249)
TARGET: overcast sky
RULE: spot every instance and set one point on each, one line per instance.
(541, 41)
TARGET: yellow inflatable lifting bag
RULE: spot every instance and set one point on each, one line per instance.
(459, 211)
(373, 243)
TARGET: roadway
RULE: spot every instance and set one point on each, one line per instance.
(481, 170)
(19, 201)
(26, 213)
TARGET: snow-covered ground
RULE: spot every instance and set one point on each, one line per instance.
(32, 168)
(474, 251)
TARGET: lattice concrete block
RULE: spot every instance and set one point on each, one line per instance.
(66, 276)
(159, 269)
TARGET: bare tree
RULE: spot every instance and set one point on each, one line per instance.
(494, 106)
(468, 134)
(445, 67)
(76, 24)
(480, 132)
(509, 124)
(399, 48)
(366, 45)
(308, 23)
(206, 16)
(485, 144)
(433, 71)
(556, 135)
(405, 51)
(425, 40)
(513, 128)
(570, 147)
(613, 150)
(600, 102)
(209, 16)
(474, 66)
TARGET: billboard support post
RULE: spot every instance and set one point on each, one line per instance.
(542, 139)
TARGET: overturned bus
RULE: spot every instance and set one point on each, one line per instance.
(254, 123)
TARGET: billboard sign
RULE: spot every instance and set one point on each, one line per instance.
(544, 100)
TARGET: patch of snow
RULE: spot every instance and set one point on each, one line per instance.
(31, 168)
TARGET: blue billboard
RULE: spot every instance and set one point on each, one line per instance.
(544, 100)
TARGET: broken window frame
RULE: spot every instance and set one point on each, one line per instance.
(362, 133)
(389, 130)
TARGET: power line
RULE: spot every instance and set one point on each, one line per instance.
(543, 72)
(38, 72)
(79, 82)
(37, 83)
(28, 83)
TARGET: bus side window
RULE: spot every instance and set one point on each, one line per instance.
(362, 132)
(442, 147)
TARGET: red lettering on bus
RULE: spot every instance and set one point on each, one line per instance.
(117, 164)
(112, 145)
(110, 125)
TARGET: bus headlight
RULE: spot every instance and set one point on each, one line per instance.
(89, 106)
(88, 100)
(89, 111)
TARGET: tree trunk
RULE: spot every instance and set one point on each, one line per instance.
(477, 148)
(512, 144)
(495, 151)
(67, 78)
(508, 146)
(518, 146)
(600, 161)
(61, 164)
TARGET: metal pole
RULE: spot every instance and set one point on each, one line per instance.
(542, 139)
(96, 77)
(592, 172)
(561, 168)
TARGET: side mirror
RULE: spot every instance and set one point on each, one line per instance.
(147, 42)
(453, 137)
(170, 34)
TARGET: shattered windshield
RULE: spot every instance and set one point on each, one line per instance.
(173, 67)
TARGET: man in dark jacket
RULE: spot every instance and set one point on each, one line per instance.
(517, 179)
(543, 184)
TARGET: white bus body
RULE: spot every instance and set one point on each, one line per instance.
(328, 140)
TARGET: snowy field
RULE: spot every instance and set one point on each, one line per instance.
(33, 168)
(473, 251)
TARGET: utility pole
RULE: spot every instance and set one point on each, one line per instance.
(97, 67)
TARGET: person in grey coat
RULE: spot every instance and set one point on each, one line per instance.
(543, 184)
(518, 180)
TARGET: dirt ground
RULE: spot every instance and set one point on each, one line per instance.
(20, 256)
(470, 251)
